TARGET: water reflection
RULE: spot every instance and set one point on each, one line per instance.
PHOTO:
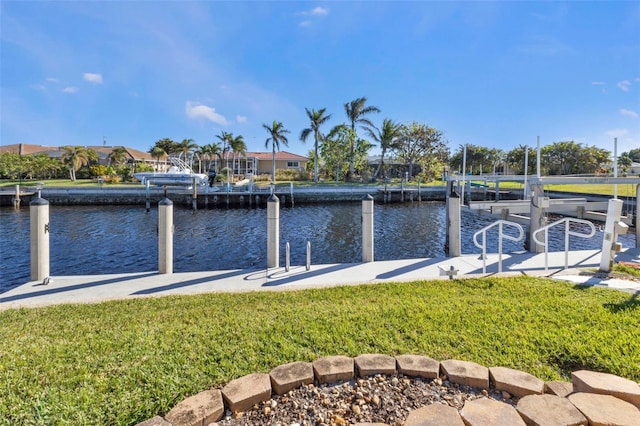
(119, 239)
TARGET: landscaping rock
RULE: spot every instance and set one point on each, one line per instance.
(466, 373)
(418, 366)
(333, 369)
(484, 411)
(606, 384)
(434, 415)
(517, 383)
(605, 410)
(549, 410)
(243, 393)
(558, 388)
(200, 409)
(289, 376)
(372, 364)
(155, 421)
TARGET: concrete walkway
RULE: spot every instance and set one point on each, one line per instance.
(97, 288)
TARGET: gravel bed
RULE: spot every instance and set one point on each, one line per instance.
(376, 399)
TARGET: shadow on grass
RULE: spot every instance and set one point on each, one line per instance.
(631, 304)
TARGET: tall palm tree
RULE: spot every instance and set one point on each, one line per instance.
(157, 153)
(238, 147)
(387, 137)
(185, 147)
(277, 135)
(224, 138)
(210, 151)
(75, 157)
(356, 111)
(317, 118)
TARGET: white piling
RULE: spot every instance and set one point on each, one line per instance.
(273, 232)
(165, 236)
(39, 229)
(367, 228)
(614, 211)
(453, 223)
(536, 218)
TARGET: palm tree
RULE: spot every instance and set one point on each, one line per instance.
(238, 147)
(356, 110)
(224, 138)
(75, 157)
(157, 152)
(118, 155)
(277, 134)
(387, 137)
(317, 119)
(185, 147)
(209, 151)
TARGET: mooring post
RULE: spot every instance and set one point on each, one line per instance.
(16, 198)
(614, 211)
(147, 196)
(367, 228)
(39, 229)
(536, 218)
(165, 236)
(453, 223)
(273, 232)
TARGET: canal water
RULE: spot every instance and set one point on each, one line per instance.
(86, 240)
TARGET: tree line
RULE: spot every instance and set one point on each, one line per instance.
(340, 154)
(557, 158)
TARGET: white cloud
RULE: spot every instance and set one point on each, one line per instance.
(305, 23)
(39, 87)
(241, 119)
(617, 133)
(195, 111)
(598, 83)
(319, 11)
(70, 89)
(624, 85)
(93, 77)
(52, 80)
(628, 113)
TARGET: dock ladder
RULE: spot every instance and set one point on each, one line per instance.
(567, 232)
(501, 235)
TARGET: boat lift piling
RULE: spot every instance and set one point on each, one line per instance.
(165, 236)
(39, 229)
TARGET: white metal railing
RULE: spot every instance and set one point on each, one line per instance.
(501, 236)
(567, 232)
(287, 256)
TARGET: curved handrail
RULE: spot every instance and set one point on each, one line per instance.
(567, 232)
(501, 236)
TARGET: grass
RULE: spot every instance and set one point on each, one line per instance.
(122, 362)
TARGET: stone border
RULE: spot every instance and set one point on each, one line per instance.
(591, 397)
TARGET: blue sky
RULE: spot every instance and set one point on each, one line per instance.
(495, 74)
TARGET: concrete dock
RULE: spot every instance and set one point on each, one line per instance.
(98, 288)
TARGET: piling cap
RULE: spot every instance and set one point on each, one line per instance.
(165, 202)
(367, 197)
(273, 199)
(39, 202)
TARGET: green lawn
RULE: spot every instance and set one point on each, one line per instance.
(122, 362)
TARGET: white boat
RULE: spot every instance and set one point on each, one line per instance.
(178, 174)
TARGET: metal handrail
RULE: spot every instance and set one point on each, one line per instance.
(501, 235)
(567, 233)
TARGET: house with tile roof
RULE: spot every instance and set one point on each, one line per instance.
(251, 163)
